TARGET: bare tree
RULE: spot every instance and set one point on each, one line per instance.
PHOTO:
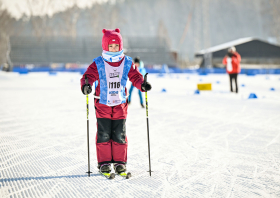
(271, 14)
(276, 19)
(163, 33)
(6, 24)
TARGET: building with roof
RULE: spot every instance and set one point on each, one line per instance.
(254, 52)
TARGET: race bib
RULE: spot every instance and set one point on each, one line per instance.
(114, 88)
(112, 81)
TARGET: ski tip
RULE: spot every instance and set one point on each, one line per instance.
(128, 175)
(112, 176)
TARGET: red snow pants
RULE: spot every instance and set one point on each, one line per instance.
(111, 140)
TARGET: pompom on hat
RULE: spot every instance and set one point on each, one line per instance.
(110, 37)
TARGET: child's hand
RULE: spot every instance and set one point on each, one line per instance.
(146, 86)
(86, 89)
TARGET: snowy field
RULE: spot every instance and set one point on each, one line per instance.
(212, 144)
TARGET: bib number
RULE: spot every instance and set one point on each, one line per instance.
(114, 85)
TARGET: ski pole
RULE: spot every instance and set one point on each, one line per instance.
(86, 81)
(146, 96)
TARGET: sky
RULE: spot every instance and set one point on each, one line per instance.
(21, 8)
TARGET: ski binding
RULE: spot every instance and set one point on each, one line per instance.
(108, 175)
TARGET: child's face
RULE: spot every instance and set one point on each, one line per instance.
(137, 64)
(114, 47)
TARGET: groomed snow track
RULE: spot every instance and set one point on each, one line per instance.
(212, 144)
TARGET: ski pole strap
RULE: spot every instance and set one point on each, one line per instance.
(86, 79)
(145, 78)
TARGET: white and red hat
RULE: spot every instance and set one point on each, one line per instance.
(111, 37)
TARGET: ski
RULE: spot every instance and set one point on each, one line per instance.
(124, 174)
(108, 175)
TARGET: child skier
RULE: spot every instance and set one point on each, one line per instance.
(142, 70)
(112, 70)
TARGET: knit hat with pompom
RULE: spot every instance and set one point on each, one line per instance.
(110, 37)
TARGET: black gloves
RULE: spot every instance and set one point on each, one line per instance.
(146, 86)
(86, 89)
(230, 54)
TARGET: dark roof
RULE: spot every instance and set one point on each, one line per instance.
(247, 47)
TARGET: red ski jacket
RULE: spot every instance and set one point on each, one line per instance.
(92, 73)
(235, 62)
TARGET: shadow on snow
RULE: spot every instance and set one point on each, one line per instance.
(44, 178)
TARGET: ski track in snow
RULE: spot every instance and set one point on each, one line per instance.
(215, 144)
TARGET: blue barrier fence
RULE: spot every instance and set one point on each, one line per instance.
(201, 71)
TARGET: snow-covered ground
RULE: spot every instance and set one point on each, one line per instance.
(212, 144)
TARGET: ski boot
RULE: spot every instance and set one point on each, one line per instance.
(105, 168)
(119, 168)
